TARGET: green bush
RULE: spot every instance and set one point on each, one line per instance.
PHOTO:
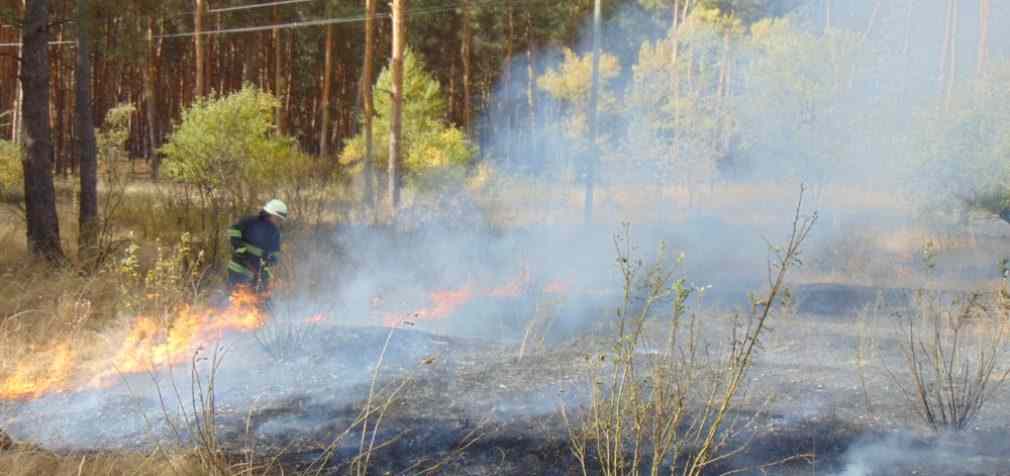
(227, 147)
(11, 172)
(433, 149)
(230, 159)
(962, 153)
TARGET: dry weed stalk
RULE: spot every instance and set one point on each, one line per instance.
(536, 330)
(676, 415)
(865, 346)
(954, 353)
(196, 429)
(376, 407)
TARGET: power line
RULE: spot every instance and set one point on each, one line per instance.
(290, 25)
(258, 5)
(51, 43)
(323, 21)
(301, 24)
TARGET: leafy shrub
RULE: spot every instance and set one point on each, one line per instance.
(962, 152)
(228, 148)
(11, 172)
(227, 152)
(433, 149)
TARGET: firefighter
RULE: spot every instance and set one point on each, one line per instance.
(256, 246)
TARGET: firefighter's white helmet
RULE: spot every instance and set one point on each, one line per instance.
(276, 208)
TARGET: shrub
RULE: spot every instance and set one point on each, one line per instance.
(954, 356)
(228, 154)
(11, 172)
(433, 149)
(227, 147)
(672, 413)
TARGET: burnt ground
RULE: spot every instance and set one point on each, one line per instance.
(804, 387)
(472, 407)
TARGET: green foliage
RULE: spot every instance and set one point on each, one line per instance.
(679, 120)
(804, 78)
(11, 172)
(228, 148)
(432, 148)
(965, 152)
(111, 139)
(747, 10)
(171, 278)
(572, 81)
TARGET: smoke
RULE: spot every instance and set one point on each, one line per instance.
(906, 453)
(711, 169)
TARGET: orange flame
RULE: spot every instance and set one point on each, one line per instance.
(149, 344)
(446, 302)
(31, 380)
(557, 287)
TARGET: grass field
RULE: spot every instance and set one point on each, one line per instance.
(494, 372)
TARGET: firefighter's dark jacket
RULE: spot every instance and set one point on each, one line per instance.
(256, 245)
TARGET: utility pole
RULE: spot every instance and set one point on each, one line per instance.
(367, 76)
(395, 121)
(985, 11)
(594, 94)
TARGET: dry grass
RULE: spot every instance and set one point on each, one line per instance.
(675, 413)
(39, 306)
(33, 462)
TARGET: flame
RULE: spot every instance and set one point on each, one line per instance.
(446, 302)
(29, 380)
(147, 347)
(557, 287)
(149, 344)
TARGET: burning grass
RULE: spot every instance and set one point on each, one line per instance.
(63, 334)
(148, 344)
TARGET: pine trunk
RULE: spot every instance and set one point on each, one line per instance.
(985, 12)
(17, 124)
(324, 100)
(951, 75)
(507, 107)
(280, 75)
(151, 101)
(198, 40)
(59, 106)
(467, 71)
(43, 229)
(88, 218)
(531, 77)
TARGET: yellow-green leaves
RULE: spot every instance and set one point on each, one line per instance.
(571, 83)
(431, 146)
(229, 146)
(11, 178)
